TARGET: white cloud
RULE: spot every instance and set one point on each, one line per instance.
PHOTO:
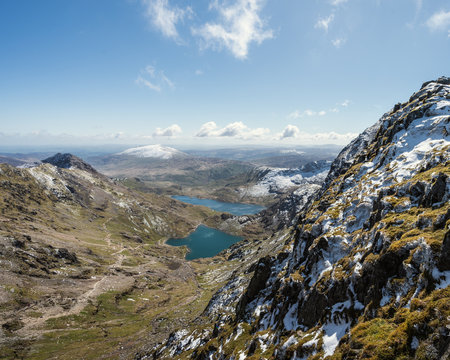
(207, 129)
(337, 43)
(118, 135)
(238, 26)
(331, 137)
(338, 2)
(171, 131)
(297, 114)
(154, 79)
(307, 113)
(291, 134)
(324, 23)
(290, 131)
(166, 80)
(233, 129)
(294, 115)
(439, 21)
(198, 72)
(236, 130)
(419, 4)
(165, 17)
(144, 82)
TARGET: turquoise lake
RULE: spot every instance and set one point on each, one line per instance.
(205, 242)
(232, 208)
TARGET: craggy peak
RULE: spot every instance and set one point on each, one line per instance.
(67, 161)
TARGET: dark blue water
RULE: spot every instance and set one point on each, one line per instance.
(232, 208)
(205, 242)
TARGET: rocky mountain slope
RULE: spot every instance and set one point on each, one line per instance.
(365, 272)
(272, 181)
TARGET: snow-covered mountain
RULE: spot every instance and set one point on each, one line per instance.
(365, 272)
(153, 151)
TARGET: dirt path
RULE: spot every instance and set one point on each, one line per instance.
(108, 282)
(112, 280)
(108, 234)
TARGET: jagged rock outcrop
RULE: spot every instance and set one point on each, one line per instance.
(277, 181)
(67, 161)
(365, 273)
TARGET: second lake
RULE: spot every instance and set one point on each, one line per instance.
(232, 208)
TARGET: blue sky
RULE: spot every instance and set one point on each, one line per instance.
(220, 72)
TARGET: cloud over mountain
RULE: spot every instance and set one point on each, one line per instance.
(169, 131)
(236, 130)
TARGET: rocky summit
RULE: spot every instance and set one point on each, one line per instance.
(365, 270)
(67, 161)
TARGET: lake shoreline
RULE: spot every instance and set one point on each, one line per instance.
(204, 242)
(236, 209)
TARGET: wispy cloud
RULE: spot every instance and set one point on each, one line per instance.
(144, 82)
(154, 79)
(165, 17)
(170, 131)
(236, 130)
(338, 2)
(297, 114)
(419, 5)
(439, 21)
(332, 137)
(337, 43)
(291, 133)
(239, 24)
(324, 23)
(199, 72)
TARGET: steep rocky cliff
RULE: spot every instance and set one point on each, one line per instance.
(365, 273)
